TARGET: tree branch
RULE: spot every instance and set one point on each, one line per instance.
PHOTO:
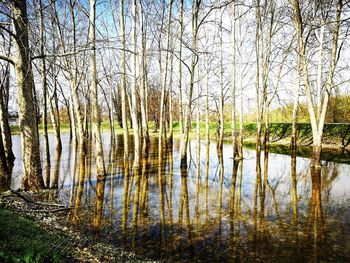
(7, 59)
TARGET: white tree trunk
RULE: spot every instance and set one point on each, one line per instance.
(96, 123)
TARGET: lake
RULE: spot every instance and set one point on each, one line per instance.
(267, 207)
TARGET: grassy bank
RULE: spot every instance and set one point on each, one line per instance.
(335, 134)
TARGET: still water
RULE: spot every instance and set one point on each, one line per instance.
(272, 208)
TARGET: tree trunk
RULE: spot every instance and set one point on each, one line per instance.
(317, 124)
(207, 124)
(170, 97)
(96, 123)
(164, 79)
(72, 123)
(181, 117)
(111, 115)
(257, 80)
(221, 99)
(134, 85)
(123, 81)
(293, 142)
(55, 117)
(241, 125)
(185, 135)
(44, 87)
(143, 71)
(53, 103)
(32, 173)
(4, 176)
(74, 85)
(4, 122)
(264, 113)
(198, 131)
(233, 83)
(320, 38)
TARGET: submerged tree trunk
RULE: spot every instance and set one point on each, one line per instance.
(162, 117)
(198, 131)
(32, 173)
(74, 84)
(143, 73)
(96, 123)
(233, 84)
(221, 99)
(170, 97)
(4, 114)
(207, 124)
(185, 135)
(317, 124)
(44, 87)
(257, 80)
(53, 99)
(241, 125)
(181, 117)
(123, 80)
(134, 85)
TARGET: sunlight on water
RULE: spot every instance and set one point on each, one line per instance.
(275, 209)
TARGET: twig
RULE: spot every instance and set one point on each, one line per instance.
(52, 210)
(9, 192)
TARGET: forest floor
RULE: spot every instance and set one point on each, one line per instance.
(30, 232)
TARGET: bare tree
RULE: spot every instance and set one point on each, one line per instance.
(100, 166)
(317, 124)
(134, 88)
(123, 79)
(184, 141)
(143, 75)
(43, 72)
(181, 32)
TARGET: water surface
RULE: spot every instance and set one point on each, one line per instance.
(267, 207)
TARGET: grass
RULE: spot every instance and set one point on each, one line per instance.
(22, 240)
(334, 133)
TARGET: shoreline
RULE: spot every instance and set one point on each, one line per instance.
(72, 245)
(334, 136)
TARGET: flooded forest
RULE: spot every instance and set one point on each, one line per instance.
(175, 131)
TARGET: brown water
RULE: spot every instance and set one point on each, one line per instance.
(272, 208)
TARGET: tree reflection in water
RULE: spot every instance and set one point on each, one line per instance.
(223, 210)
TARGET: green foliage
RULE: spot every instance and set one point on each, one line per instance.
(337, 112)
(213, 125)
(21, 240)
(15, 129)
(338, 109)
(285, 113)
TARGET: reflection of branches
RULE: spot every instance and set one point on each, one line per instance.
(273, 193)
